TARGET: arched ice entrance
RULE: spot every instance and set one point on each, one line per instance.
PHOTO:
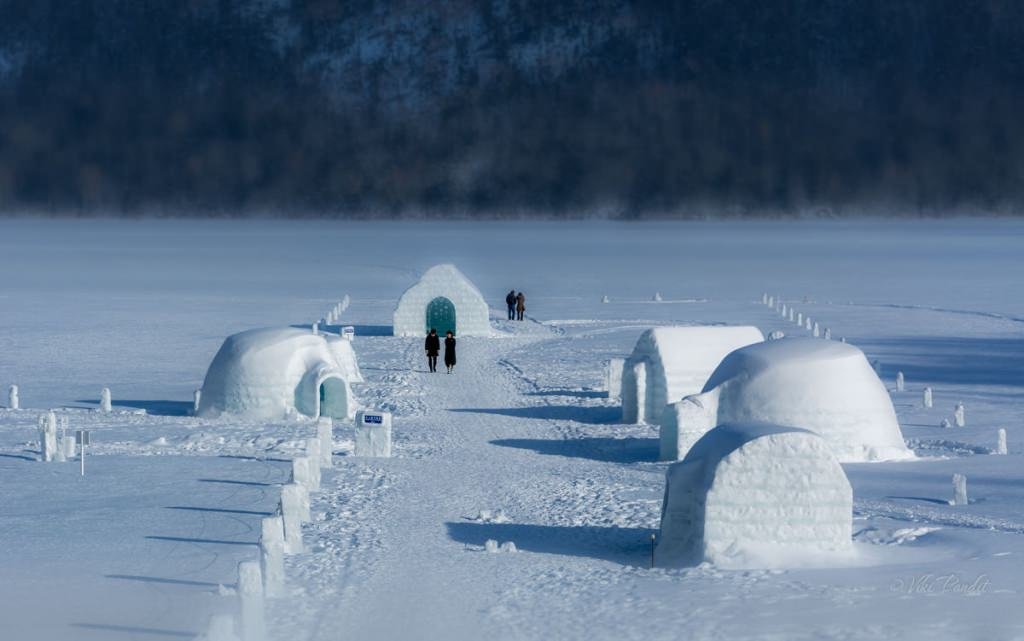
(441, 315)
(333, 397)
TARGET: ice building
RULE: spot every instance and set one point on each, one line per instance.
(823, 386)
(273, 373)
(669, 363)
(755, 495)
(443, 299)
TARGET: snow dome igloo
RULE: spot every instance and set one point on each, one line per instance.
(823, 386)
(755, 495)
(444, 299)
(270, 373)
(669, 363)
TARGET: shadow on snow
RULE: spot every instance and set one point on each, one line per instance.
(950, 359)
(152, 407)
(615, 450)
(577, 413)
(628, 546)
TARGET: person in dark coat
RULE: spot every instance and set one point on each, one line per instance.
(510, 300)
(449, 351)
(433, 346)
(520, 305)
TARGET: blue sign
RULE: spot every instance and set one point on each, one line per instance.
(373, 418)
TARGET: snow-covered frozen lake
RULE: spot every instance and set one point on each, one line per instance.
(145, 545)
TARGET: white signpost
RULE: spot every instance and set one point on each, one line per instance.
(82, 438)
(373, 434)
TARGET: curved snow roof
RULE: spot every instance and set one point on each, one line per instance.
(265, 373)
(824, 386)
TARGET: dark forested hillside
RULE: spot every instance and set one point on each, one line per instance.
(695, 107)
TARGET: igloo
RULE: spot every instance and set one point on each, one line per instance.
(755, 495)
(669, 363)
(823, 386)
(272, 373)
(443, 299)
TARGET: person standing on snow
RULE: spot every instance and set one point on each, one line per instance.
(433, 346)
(449, 351)
(510, 300)
(520, 305)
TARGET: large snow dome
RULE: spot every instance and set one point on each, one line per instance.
(270, 373)
(669, 363)
(824, 386)
(444, 299)
(755, 495)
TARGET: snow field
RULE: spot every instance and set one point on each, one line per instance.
(396, 544)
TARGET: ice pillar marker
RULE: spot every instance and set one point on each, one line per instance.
(221, 627)
(828, 334)
(250, 592)
(272, 555)
(927, 399)
(48, 436)
(302, 473)
(959, 490)
(817, 330)
(313, 454)
(325, 432)
(292, 496)
(105, 405)
(800, 318)
(1001, 443)
(12, 398)
(196, 397)
(900, 382)
(613, 378)
(958, 415)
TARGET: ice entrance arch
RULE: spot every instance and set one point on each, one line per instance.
(441, 315)
(333, 398)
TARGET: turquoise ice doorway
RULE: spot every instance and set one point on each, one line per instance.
(441, 315)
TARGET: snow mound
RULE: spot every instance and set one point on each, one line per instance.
(756, 495)
(276, 372)
(444, 299)
(823, 386)
(669, 363)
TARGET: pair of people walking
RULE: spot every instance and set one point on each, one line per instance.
(433, 347)
(516, 305)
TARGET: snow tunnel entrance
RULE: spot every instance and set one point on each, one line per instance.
(333, 398)
(441, 315)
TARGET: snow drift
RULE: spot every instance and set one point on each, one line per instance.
(272, 373)
(669, 363)
(755, 495)
(823, 386)
(443, 299)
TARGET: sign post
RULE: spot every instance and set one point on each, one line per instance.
(82, 438)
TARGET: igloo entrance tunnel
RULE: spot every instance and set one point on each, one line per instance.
(669, 363)
(445, 300)
(273, 373)
(755, 495)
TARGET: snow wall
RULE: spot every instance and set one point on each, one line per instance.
(272, 373)
(755, 495)
(442, 282)
(678, 361)
(823, 386)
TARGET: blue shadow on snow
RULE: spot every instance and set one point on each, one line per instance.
(614, 450)
(154, 408)
(577, 413)
(950, 359)
(628, 546)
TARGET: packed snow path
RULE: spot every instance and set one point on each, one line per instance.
(477, 422)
